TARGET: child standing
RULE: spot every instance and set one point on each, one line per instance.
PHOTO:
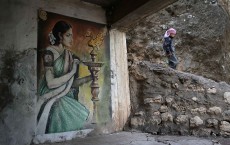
(169, 48)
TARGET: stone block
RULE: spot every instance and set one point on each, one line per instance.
(181, 119)
(169, 100)
(163, 109)
(196, 121)
(157, 113)
(211, 90)
(157, 99)
(140, 113)
(175, 86)
(214, 110)
(200, 110)
(179, 107)
(155, 120)
(166, 117)
(148, 100)
(137, 122)
(226, 115)
(212, 123)
(225, 128)
(227, 97)
(195, 99)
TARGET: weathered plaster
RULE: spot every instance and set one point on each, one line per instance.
(18, 19)
(17, 119)
(18, 22)
(120, 95)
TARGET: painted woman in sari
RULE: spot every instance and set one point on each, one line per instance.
(58, 108)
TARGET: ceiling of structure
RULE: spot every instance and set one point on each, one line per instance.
(124, 13)
(103, 3)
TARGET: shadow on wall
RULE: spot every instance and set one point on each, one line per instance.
(18, 96)
(8, 59)
(5, 97)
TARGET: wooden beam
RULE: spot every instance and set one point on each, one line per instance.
(128, 12)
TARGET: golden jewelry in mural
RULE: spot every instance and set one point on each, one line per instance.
(42, 14)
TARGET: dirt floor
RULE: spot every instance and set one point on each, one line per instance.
(135, 138)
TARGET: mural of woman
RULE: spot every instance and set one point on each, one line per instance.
(58, 109)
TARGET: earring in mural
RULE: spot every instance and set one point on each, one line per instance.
(52, 38)
(94, 67)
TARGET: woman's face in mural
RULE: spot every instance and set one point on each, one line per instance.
(67, 38)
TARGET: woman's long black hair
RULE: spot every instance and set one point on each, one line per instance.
(60, 27)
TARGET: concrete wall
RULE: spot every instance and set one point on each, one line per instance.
(19, 19)
(18, 64)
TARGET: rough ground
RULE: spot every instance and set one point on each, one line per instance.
(128, 138)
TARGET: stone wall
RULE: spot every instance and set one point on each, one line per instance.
(225, 4)
(165, 101)
(202, 41)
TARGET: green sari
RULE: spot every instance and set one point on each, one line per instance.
(66, 113)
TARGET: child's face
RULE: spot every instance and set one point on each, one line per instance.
(172, 35)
